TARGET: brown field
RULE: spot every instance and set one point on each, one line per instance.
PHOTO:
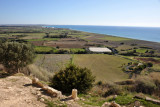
(67, 43)
(38, 43)
(155, 61)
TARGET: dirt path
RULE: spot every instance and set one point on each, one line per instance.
(17, 91)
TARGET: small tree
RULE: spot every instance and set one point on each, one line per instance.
(47, 34)
(15, 56)
(73, 77)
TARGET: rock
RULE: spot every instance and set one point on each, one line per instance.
(114, 97)
(74, 94)
(41, 99)
(140, 96)
(82, 99)
(9, 87)
(88, 96)
(137, 104)
(52, 91)
(106, 104)
(153, 100)
(112, 104)
(36, 82)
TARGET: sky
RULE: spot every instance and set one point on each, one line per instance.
(144, 13)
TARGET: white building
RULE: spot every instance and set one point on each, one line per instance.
(99, 50)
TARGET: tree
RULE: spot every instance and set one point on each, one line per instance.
(73, 77)
(15, 56)
(47, 34)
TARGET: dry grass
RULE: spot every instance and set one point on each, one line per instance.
(45, 65)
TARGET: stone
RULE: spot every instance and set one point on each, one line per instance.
(112, 104)
(52, 91)
(106, 104)
(36, 82)
(137, 104)
(9, 87)
(41, 100)
(74, 94)
(114, 97)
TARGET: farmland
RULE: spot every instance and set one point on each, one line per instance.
(45, 65)
(56, 48)
(104, 67)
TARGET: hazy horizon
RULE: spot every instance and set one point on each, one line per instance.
(137, 13)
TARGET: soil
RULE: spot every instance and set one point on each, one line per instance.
(149, 60)
(17, 91)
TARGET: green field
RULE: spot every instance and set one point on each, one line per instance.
(141, 50)
(44, 49)
(104, 67)
(114, 38)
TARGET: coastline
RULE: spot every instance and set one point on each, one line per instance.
(109, 34)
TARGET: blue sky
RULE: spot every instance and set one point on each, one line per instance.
(81, 12)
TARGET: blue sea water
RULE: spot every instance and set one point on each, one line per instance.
(141, 33)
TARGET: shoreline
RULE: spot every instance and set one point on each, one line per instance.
(54, 26)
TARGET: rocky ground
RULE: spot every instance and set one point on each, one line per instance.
(17, 91)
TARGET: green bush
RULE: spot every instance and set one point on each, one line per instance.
(99, 83)
(149, 64)
(113, 90)
(14, 56)
(145, 85)
(73, 77)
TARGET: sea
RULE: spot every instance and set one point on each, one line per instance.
(141, 33)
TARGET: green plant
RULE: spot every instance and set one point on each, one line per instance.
(99, 83)
(145, 85)
(73, 77)
(113, 90)
(15, 56)
(124, 99)
(91, 100)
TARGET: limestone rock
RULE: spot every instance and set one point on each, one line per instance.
(112, 104)
(36, 82)
(52, 91)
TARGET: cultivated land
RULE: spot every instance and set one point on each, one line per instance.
(55, 48)
(104, 67)
(45, 65)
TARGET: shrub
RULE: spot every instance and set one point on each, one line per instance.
(99, 83)
(73, 77)
(145, 85)
(155, 76)
(113, 90)
(149, 64)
